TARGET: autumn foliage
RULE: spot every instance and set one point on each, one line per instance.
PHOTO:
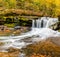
(45, 7)
(43, 49)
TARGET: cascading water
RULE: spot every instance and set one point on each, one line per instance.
(33, 23)
(43, 22)
(40, 27)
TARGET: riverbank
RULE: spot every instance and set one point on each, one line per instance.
(12, 52)
(46, 48)
(49, 47)
(6, 31)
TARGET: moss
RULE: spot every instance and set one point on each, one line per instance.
(59, 30)
(10, 25)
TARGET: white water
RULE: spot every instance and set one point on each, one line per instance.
(40, 28)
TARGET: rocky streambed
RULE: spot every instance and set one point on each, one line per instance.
(46, 48)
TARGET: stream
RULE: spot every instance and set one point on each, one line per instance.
(40, 30)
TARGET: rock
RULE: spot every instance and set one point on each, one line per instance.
(13, 50)
(54, 27)
(17, 27)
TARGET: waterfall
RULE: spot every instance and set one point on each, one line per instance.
(43, 22)
(33, 23)
(47, 24)
(38, 23)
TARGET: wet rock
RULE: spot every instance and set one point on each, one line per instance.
(17, 27)
(1, 43)
(13, 50)
(28, 40)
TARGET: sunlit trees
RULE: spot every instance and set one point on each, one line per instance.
(46, 7)
(20, 4)
(12, 3)
(8, 3)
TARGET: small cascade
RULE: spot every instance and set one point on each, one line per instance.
(33, 23)
(43, 22)
(38, 23)
(48, 23)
